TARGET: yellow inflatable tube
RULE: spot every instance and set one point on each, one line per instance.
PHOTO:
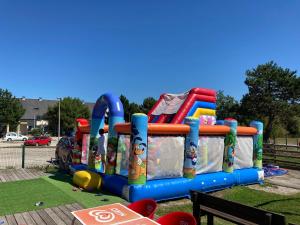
(201, 111)
(87, 180)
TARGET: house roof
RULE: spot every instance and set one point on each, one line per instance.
(39, 107)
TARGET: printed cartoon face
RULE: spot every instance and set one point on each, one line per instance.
(139, 149)
(191, 152)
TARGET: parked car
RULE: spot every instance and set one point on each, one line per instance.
(12, 136)
(63, 152)
(36, 141)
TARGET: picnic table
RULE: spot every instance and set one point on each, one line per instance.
(111, 214)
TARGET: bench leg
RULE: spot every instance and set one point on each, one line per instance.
(210, 219)
(196, 213)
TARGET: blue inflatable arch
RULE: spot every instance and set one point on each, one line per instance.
(116, 113)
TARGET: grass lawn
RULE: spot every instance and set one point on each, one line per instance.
(57, 189)
(21, 196)
(286, 205)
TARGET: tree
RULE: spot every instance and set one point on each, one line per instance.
(272, 90)
(227, 106)
(134, 108)
(148, 103)
(70, 110)
(131, 107)
(126, 106)
(11, 110)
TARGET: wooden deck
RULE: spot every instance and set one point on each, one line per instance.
(60, 215)
(20, 174)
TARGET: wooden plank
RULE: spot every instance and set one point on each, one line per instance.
(42, 174)
(214, 205)
(38, 173)
(47, 219)
(20, 175)
(55, 217)
(288, 162)
(77, 206)
(7, 176)
(66, 211)
(2, 178)
(11, 220)
(19, 218)
(25, 174)
(226, 216)
(71, 209)
(36, 217)
(14, 176)
(28, 174)
(28, 219)
(283, 156)
(32, 173)
(61, 215)
(3, 220)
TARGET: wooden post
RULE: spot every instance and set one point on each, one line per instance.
(268, 219)
(23, 156)
(210, 219)
(196, 207)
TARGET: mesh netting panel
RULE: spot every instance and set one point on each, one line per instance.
(170, 103)
(123, 155)
(11, 157)
(243, 153)
(210, 154)
(165, 157)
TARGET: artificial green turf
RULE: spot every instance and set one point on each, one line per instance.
(20, 196)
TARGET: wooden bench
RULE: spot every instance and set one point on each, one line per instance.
(204, 204)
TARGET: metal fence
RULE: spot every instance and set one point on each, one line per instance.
(25, 156)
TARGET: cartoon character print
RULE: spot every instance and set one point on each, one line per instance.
(111, 155)
(205, 120)
(137, 165)
(192, 153)
(230, 142)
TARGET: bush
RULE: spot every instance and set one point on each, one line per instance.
(36, 132)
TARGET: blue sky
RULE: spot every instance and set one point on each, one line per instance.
(59, 48)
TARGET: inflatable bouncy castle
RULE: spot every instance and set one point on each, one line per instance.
(177, 147)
